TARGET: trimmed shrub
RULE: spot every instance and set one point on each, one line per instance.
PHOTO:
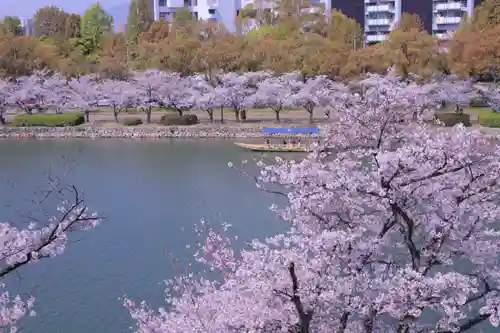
(176, 120)
(452, 118)
(49, 120)
(489, 119)
(131, 121)
(478, 103)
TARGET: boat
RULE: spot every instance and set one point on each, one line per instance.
(272, 148)
(290, 144)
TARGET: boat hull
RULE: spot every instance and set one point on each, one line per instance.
(272, 148)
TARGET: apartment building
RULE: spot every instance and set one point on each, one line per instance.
(223, 11)
(448, 14)
(439, 17)
(380, 17)
(27, 25)
(377, 17)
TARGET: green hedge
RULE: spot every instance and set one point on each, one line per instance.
(131, 121)
(452, 118)
(173, 119)
(49, 120)
(478, 102)
(489, 119)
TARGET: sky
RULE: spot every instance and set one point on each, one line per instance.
(27, 8)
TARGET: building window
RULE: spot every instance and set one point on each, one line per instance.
(238, 12)
(195, 15)
(211, 11)
(162, 3)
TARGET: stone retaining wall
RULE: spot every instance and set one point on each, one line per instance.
(133, 132)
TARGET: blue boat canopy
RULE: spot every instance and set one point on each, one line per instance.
(290, 130)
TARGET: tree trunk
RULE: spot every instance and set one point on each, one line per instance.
(277, 116)
(311, 114)
(2, 119)
(115, 114)
(210, 115)
(179, 112)
(87, 116)
(237, 114)
(222, 115)
(148, 115)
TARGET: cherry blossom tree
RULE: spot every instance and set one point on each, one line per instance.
(206, 97)
(492, 95)
(148, 90)
(59, 95)
(87, 94)
(42, 239)
(311, 94)
(120, 94)
(276, 93)
(237, 90)
(396, 230)
(177, 93)
(5, 92)
(29, 94)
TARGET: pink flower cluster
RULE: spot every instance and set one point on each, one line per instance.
(394, 229)
(19, 247)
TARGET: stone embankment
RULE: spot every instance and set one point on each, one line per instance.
(154, 132)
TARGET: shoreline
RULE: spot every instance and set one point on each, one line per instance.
(142, 132)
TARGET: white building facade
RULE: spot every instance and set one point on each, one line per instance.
(448, 15)
(223, 11)
(381, 16)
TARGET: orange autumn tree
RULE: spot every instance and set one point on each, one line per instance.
(410, 49)
(113, 57)
(370, 59)
(474, 48)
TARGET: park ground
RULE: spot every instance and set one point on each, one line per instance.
(105, 117)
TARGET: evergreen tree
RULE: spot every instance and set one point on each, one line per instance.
(95, 24)
(140, 19)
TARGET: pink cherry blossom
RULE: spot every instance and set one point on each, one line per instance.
(19, 247)
(394, 228)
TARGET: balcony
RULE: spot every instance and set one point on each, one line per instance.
(173, 3)
(450, 6)
(448, 20)
(378, 22)
(380, 9)
(375, 38)
(212, 3)
(443, 36)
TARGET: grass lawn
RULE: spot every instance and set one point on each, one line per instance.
(264, 111)
(484, 116)
(478, 112)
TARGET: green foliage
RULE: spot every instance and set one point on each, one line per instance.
(489, 119)
(49, 120)
(132, 121)
(171, 119)
(140, 19)
(12, 25)
(452, 118)
(95, 23)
